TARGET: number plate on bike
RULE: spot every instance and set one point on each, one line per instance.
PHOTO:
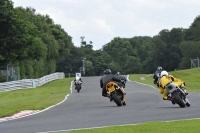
(111, 89)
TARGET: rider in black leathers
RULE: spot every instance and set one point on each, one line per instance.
(156, 73)
(107, 78)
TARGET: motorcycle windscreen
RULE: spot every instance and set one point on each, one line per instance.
(170, 88)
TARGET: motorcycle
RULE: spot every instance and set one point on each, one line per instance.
(78, 85)
(117, 93)
(178, 94)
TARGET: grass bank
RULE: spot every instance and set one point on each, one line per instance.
(186, 126)
(34, 98)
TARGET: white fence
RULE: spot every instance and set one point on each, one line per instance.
(30, 83)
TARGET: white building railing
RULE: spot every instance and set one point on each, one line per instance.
(30, 83)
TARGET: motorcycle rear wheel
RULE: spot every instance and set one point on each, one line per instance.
(116, 99)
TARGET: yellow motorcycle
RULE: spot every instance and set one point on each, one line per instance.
(117, 93)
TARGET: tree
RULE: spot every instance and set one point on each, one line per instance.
(14, 36)
(189, 49)
(159, 53)
(132, 65)
(192, 34)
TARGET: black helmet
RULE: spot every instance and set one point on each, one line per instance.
(159, 68)
(118, 74)
(107, 71)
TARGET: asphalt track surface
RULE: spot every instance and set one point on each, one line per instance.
(89, 109)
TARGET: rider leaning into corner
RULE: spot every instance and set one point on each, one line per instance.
(166, 79)
(107, 78)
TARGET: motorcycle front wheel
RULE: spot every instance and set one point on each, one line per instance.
(177, 99)
(78, 88)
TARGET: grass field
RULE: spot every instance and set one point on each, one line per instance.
(34, 99)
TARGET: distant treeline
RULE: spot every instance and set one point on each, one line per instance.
(40, 47)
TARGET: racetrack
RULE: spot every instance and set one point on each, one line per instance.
(89, 109)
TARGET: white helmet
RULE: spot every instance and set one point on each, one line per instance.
(164, 73)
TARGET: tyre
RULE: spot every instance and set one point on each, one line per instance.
(124, 103)
(188, 104)
(178, 100)
(78, 88)
(116, 99)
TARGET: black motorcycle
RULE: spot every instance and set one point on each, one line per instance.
(78, 85)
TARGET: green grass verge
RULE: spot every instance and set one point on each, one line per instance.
(190, 76)
(186, 126)
(34, 98)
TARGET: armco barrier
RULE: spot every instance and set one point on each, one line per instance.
(30, 83)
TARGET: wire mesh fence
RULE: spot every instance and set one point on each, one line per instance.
(194, 62)
(9, 73)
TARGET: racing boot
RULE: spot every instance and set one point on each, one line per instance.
(106, 95)
(111, 99)
(171, 99)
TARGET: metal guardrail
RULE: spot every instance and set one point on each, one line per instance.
(30, 83)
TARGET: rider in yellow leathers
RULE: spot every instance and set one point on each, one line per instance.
(166, 79)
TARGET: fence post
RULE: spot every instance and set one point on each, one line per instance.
(33, 84)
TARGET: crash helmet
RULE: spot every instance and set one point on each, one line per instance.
(118, 74)
(164, 73)
(159, 68)
(107, 71)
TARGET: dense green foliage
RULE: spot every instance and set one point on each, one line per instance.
(40, 47)
(31, 41)
(171, 49)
